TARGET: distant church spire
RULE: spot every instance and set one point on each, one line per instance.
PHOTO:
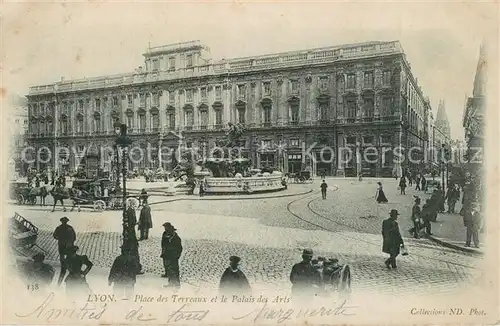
(442, 119)
(480, 78)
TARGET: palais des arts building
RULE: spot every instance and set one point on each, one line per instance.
(355, 95)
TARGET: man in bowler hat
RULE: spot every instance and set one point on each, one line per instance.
(304, 276)
(392, 238)
(145, 221)
(66, 237)
(171, 250)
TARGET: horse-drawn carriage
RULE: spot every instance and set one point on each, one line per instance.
(22, 233)
(301, 177)
(335, 277)
(20, 192)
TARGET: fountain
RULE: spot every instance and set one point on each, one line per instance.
(223, 174)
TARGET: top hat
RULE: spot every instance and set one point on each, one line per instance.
(394, 212)
(307, 252)
(169, 226)
(235, 259)
(64, 219)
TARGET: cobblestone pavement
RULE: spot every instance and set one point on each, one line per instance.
(269, 238)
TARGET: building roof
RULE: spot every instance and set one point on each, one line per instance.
(442, 122)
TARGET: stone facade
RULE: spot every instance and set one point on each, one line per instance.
(355, 96)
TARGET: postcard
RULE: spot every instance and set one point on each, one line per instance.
(249, 162)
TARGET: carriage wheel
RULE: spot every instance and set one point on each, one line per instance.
(345, 282)
(99, 205)
(20, 199)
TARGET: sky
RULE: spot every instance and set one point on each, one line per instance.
(46, 41)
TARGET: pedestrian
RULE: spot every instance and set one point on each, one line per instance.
(424, 183)
(59, 193)
(472, 221)
(324, 186)
(66, 237)
(233, 280)
(305, 277)
(202, 188)
(76, 281)
(452, 198)
(53, 177)
(416, 218)
(130, 219)
(427, 216)
(441, 199)
(40, 273)
(392, 238)
(145, 221)
(123, 273)
(417, 182)
(435, 203)
(402, 185)
(171, 250)
(380, 195)
(143, 196)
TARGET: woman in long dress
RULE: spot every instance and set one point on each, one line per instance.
(380, 195)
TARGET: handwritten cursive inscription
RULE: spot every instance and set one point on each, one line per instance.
(49, 313)
(281, 315)
(187, 315)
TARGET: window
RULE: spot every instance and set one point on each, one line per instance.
(189, 144)
(130, 99)
(323, 83)
(294, 86)
(386, 78)
(351, 81)
(241, 91)
(351, 140)
(368, 80)
(204, 118)
(323, 111)
(218, 92)
(267, 115)
(385, 139)
(142, 122)
(35, 110)
(387, 106)
(171, 97)
(369, 109)
(241, 115)
(156, 121)
(218, 117)
(81, 148)
(97, 124)
(368, 140)
(189, 95)
(142, 99)
(171, 63)
(79, 124)
(294, 110)
(294, 142)
(267, 88)
(115, 100)
(130, 122)
(155, 100)
(203, 93)
(189, 61)
(80, 104)
(266, 144)
(156, 65)
(171, 119)
(189, 118)
(351, 108)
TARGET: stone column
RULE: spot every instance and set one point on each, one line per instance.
(359, 98)
(310, 101)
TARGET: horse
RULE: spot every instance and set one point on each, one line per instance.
(37, 192)
(59, 194)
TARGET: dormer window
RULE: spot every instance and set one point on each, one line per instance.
(189, 61)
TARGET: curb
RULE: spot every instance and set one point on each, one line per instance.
(447, 244)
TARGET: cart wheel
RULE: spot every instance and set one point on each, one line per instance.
(99, 205)
(20, 199)
(345, 282)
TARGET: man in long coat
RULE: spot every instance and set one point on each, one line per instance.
(472, 221)
(171, 250)
(130, 220)
(123, 273)
(392, 238)
(305, 277)
(233, 280)
(66, 237)
(145, 221)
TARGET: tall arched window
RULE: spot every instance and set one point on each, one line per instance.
(142, 120)
(97, 123)
(171, 117)
(155, 120)
(79, 123)
(203, 116)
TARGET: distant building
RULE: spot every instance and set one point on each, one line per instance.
(473, 122)
(17, 124)
(355, 96)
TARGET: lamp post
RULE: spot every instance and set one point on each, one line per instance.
(442, 166)
(122, 143)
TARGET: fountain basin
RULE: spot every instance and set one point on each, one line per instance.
(243, 185)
